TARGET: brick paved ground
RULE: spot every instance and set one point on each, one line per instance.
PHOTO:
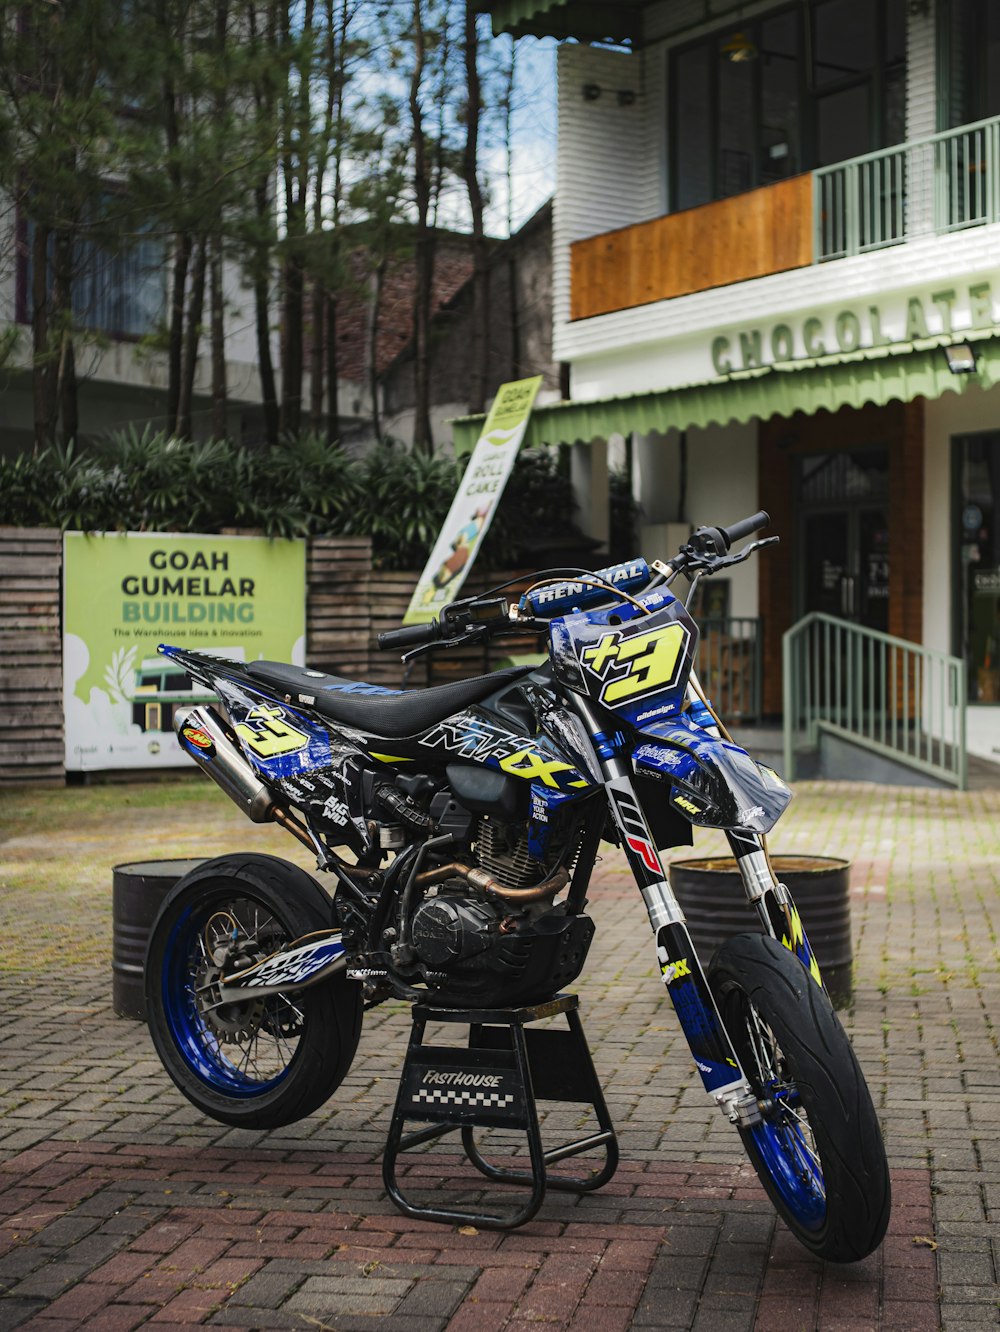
(120, 1205)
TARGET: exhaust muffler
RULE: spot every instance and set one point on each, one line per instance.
(202, 734)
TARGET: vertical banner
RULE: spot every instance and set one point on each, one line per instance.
(475, 503)
(125, 593)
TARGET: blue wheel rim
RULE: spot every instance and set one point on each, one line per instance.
(198, 1045)
(795, 1173)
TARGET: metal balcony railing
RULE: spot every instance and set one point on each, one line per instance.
(942, 183)
(892, 697)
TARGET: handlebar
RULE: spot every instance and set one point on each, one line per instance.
(410, 635)
(744, 527)
(482, 617)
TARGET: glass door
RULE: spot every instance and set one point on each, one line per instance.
(843, 563)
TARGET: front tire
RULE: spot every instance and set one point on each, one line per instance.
(818, 1151)
(267, 1061)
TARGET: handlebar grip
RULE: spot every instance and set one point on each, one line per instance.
(410, 635)
(744, 527)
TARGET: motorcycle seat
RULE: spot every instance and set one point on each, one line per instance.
(392, 713)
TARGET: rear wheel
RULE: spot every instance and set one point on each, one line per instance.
(268, 1060)
(818, 1150)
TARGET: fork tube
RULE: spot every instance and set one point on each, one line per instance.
(773, 902)
(678, 962)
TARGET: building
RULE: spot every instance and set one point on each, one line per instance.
(776, 268)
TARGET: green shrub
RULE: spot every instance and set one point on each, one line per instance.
(144, 481)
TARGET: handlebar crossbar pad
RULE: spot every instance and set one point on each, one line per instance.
(410, 635)
(744, 527)
(568, 594)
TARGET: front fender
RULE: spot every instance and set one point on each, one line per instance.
(713, 782)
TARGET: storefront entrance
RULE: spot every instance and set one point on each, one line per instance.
(843, 536)
(845, 493)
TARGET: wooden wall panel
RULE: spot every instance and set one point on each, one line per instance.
(750, 235)
(32, 748)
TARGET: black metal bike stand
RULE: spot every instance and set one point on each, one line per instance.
(493, 1083)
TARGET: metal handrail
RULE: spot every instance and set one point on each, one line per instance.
(892, 697)
(939, 183)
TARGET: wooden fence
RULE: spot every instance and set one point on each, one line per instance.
(31, 708)
(348, 604)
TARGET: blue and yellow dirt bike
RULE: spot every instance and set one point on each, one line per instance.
(458, 827)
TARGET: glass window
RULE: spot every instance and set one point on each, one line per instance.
(118, 290)
(692, 128)
(978, 559)
(843, 124)
(811, 84)
(844, 44)
(780, 142)
(736, 119)
(971, 36)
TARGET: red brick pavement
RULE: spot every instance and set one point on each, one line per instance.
(120, 1206)
(119, 1237)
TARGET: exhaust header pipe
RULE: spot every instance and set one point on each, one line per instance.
(202, 734)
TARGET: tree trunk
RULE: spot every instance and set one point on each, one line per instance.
(423, 437)
(262, 305)
(317, 312)
(295, 169)
(220, 424)
(175, 335)
(332, 387)
(470, 170)
(41, 355)
(64, 386)
(196, 306)
(378, 278)
(291, 369)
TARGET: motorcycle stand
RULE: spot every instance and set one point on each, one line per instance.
(493, 1083)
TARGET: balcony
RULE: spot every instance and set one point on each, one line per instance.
(931, 186)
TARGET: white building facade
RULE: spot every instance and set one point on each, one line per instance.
(771, 220)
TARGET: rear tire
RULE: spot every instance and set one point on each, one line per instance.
(269, 1061)
(818, 1151)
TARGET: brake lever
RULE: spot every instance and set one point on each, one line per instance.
(746, 552)
(475, 634)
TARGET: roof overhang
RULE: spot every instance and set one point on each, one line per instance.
(619, 22)
(877, 377)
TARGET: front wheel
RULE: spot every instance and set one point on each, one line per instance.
(818, 1150)
(268, 1060)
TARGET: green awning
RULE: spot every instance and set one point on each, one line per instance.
(618, 22)
(869, 377)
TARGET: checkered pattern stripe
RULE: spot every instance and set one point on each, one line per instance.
(488, 1100)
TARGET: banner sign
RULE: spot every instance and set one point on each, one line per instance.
(125, 593)
(475, 503)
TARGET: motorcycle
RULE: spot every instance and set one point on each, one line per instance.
(459, 825)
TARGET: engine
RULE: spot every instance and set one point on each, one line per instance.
(481, 949)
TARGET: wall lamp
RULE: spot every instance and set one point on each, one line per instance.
(592, 92)
(961, 358)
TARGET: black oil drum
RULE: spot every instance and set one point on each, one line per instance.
(137, 893)
(715, 904)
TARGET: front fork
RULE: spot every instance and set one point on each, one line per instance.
(680, 968)
(683, 975)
